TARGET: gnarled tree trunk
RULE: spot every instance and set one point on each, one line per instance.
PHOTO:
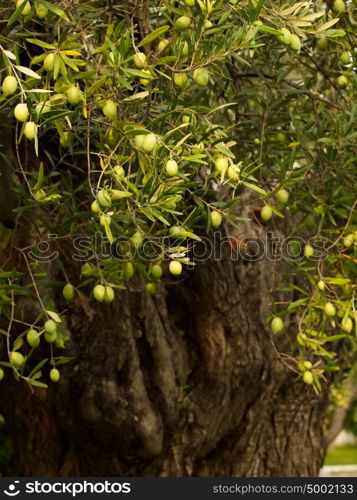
(187, 382)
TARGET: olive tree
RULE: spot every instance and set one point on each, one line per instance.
(178, 241)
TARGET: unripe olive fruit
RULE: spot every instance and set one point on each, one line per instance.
(308, 251)
(307, 365)
(95, 207)
(233, 172)
(33, 338)
(149, 142)
(105, 220)
(329, 309)
(339, 6)
(308, 377)
(26, 10)
(216, 218)
(55, 375)
(41, 11)
(310, 222)
(110, 109)
(68, 291)
(145, 81)
(103, 198)
(282, 196)
(345, 57)
(50, 337)
(151, 288)
(99, 293)
(347, 325)
(17, 359)
(74, 95)
(156, 271)
(286, 36)
(163, 45)
(9, 85)
(139, 140)
(2, 374)
(348, 240)
(119, 172)
(128, 270)
(221, 164)
(49, 62)
(51, 326)
(175, 267)
(182, 23)
(322, 43)
(137, 239)
(171, 168)
(200, 77)
(30, 130)
(64, 140)
(276, 325)
(295, 43)
(266, 213)
(109, 294)
(180, 79)
(342, 81)
(321, 285)
(186, 119)
(140, 60)
(21, 112)
(190, 3)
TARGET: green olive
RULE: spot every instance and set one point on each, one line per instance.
(175, 267)
(30, 130)
(33, 338)
(55, 375)
(109, 109)
(171, 168)
(156, 271)
(21, 112)
(104, 199)
(9, 85)
(68, 291)
(180, 79)
(140, 60)
(109, 294)
(282, 196)
(276, 325)
(330, 309)
(308, 377)
(216, 219)
(49, 62)
(99, 293)
(266, 213)
(182, 23)
(17, 359)
(201, 77)
(51, 326)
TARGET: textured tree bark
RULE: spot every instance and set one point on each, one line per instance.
(186, 383)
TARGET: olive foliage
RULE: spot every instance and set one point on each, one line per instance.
(145, 122)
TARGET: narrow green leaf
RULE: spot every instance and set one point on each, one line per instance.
(155, 34)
